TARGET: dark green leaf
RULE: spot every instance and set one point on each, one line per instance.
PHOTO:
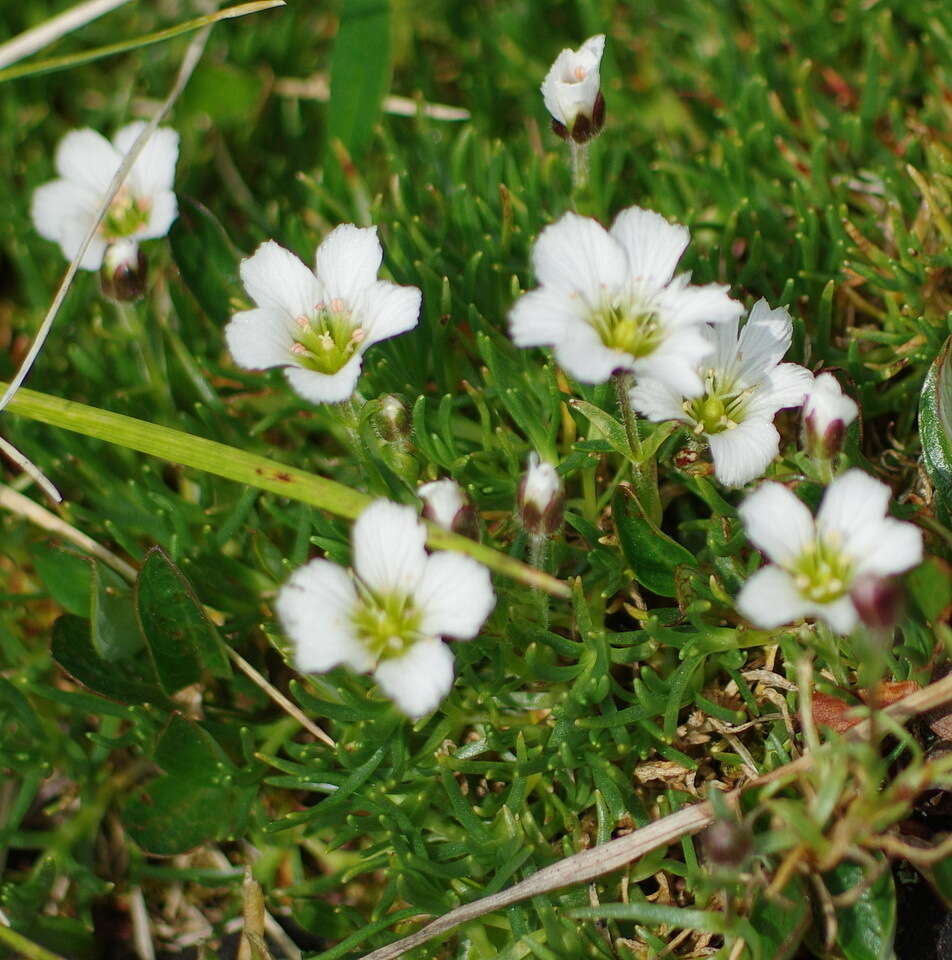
(65, 574)
(360, 72)
(865, 930)
(935, 426)
(779, 927)
(930, 585)
(112, 615)
(126, 681)
(194, 801)
(653, 555)
(179, 636)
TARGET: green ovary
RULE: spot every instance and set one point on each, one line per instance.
(387, 625)
(822, 572)
(126, 216)
(719, 408)
(327, 340)
(636, 331)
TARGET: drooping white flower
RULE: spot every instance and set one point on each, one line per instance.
(609, 301)
(816, 562)
(745, 384)
(145, 207)
(571, 91)
(541, 497)
(443, 501)
(388, 614)
(827, 412)
(318, 324)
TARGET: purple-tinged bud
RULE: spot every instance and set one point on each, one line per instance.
(571, 92)
(445, 504)
(541, 498)
(827, 412)
(727, 845)
(124, 271)
(878, 600)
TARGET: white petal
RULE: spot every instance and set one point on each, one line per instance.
(420, 679)
(388, 549)
(541, 317)
(677, 360)
(443, 499)
(762, 343)
(785, 386)
(258, 339)
(384, 310)
(455, 595)
(657, 401)
(162, 215)
(578, 257)
(683, 305)
(742, 454)
(154, 169)
(316, 608)
(571, 85)
(63, 212)
(347, 261)
(277, 280)
(770, 599)
(853, 504)
(841, 615)
(325, 387)
(653, 244)
(893, 547)
(582, 355)
(87, 158)
(777, 522)
(826, 402)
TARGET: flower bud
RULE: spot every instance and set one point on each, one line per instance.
(124, 271)
(571, 92)
(541, 498)
(827, 412)
(445, 504)
(392, 419)
(878, 600)
(727, 845)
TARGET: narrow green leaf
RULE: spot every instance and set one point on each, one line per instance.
(653, 555)
(935, 427)
(610, 428)
(174, 625)
(654, 914)
(360, 72)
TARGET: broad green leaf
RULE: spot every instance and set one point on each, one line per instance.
(194, 801)
(865, 930)
(779, 927)
(179, 636)
(930, 585)
(360, 72)
(206, 258)
(935, 427)
(65, 574)
(128, 681)
(654, 556)
(112, 615)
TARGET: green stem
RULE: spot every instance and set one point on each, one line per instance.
(623, 383)
(248, 468)
(538, 551)
(25, 948)
(579, 165)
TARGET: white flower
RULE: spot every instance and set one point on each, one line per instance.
(607, 301)
(144, 208)
(827, 412)
(571, 91)
(388, 614)
(442, 502)
(540, 497)
(745, 384)
(815, 563)
(318, 325)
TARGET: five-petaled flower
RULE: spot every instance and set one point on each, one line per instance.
(571, 91)
(144, 208)
(389, 613)
(745, 384)
(608, 301)
(816, 562)
(827, 412)
(318, 325)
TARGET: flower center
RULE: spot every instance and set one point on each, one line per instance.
(822, 572)
(634, 329)
(386, 625)
(327, 340)
(721, 406)
(126, 215)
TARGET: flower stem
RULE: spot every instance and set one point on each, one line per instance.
(623, 383)
(644, 474)
(538, 554)
(579, 165)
